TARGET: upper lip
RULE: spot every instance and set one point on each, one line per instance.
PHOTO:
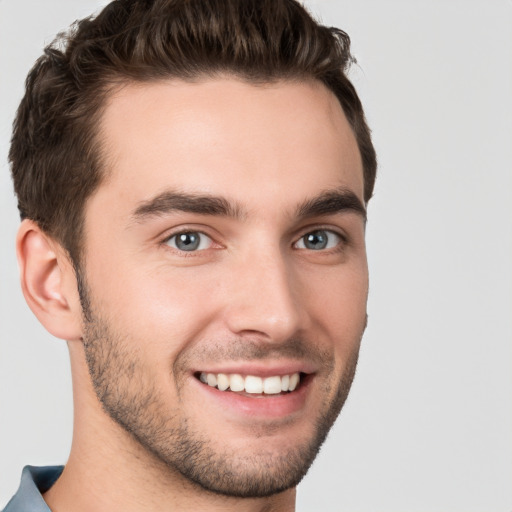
(260, 368)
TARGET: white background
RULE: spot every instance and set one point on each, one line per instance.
(428, 426)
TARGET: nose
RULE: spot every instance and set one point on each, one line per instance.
(264, 299)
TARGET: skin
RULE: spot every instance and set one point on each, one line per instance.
(252, 298)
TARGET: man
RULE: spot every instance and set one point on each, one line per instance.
(192, 178)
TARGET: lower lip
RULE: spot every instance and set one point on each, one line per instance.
(264, 406)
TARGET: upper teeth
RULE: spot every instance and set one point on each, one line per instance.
(250, 383)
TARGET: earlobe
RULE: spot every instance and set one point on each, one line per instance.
(48, 282)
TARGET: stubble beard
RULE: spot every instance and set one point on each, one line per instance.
(129, 396)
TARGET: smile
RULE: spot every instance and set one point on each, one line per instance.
(251, 384)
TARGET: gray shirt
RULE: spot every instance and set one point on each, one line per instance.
(34, 482)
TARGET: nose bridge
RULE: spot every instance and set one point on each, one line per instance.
(264, 298)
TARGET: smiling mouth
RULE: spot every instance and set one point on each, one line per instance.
(252, 384)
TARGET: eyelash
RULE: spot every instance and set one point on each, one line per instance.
(339, 246)
(168, 238)
(341, 243)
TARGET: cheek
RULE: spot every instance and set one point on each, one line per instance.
(338, 303)
(159, 310)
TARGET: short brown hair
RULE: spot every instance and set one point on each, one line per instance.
(55, 153)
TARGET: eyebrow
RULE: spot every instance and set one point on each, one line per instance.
(169, 202)
(332, 202)
(327, 203)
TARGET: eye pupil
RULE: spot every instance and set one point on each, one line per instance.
(187, 241)
(316, 240)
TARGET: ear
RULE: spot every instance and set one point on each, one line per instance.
(48, 282)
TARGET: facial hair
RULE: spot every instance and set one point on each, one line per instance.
(124, 386)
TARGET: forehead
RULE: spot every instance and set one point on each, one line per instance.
(258, 143)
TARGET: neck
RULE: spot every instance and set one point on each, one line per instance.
(109, 470)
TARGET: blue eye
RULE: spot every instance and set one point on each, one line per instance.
(319, 240)
(189, 241)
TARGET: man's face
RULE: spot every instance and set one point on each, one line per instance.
(226, 245)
